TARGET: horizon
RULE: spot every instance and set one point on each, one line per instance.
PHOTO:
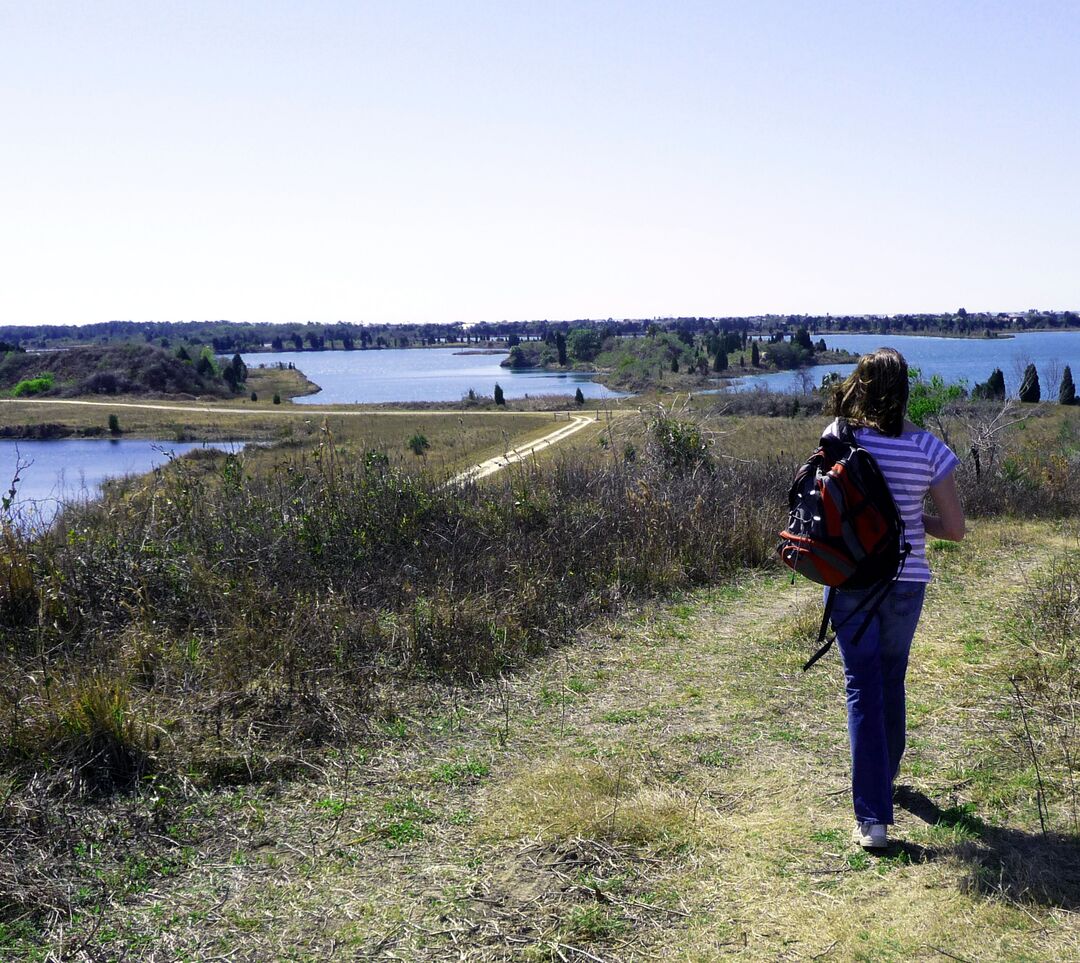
(567, 320)
(413, 163)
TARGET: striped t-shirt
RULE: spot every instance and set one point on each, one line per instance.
(910, 463)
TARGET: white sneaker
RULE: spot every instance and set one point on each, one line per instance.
(871, 835)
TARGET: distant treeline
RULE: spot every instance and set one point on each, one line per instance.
(229, 336)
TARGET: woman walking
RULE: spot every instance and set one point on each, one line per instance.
(914, 462)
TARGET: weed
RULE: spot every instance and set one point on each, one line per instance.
(622, 717)
(713, 758)
(332, 808)
(858, 860)
(458, 773)
(963, 819)
(592, 924)
(579, 685)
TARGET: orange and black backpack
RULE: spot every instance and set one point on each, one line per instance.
(844, 530)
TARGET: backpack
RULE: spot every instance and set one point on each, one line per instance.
(844, 530)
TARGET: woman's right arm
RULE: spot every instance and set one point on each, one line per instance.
(949, 522)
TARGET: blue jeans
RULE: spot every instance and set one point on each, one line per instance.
(875, 668)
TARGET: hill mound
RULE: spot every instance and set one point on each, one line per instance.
(106, 370)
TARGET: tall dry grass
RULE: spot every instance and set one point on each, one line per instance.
(207, 618)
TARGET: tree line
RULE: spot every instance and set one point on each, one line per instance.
(231, 336)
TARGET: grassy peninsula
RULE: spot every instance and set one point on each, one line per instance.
(672, 360)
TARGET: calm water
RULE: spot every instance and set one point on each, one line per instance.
(955, 359)
(421, 374)
(73, 469)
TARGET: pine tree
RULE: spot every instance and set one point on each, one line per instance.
(1029, 387)
(755, 355)
(499, 399)
(1067, 391)
(996, 384)
(720, 362)
(675, 363)
(579, 398)
(993, 389)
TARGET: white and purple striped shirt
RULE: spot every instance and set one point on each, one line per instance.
(910, 463)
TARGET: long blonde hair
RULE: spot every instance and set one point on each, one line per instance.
(875, 394)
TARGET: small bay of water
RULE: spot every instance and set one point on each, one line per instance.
(73, 469)
(421, 374)
(954, 359)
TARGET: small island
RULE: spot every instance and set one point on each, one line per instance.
(671, 359)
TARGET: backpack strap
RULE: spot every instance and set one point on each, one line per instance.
(830, 597)
(871, 602)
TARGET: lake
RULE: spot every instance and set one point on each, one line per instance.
(955, 359)
(421, 374)
(73, 469)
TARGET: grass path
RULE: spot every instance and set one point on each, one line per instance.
(668, 787)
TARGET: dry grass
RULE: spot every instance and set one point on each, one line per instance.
(568, 798)
(668, 788)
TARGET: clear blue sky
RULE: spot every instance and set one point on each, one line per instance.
(457, 161)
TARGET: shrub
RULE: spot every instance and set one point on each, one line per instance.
(1046, 684)
(993, 388)
(929, 401)
(114, 425)
(677, 446)
(277, 398)
(33, 386)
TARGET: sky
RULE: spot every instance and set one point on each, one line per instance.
(479, 161)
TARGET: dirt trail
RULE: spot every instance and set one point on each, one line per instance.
(514, 455)
(277, 410)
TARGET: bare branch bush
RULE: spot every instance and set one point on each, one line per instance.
(1046, 679)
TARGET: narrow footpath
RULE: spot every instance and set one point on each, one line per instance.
(514, 455)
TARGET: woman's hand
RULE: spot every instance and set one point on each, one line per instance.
(949, 523)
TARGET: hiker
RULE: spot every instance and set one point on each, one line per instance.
(913, 461)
